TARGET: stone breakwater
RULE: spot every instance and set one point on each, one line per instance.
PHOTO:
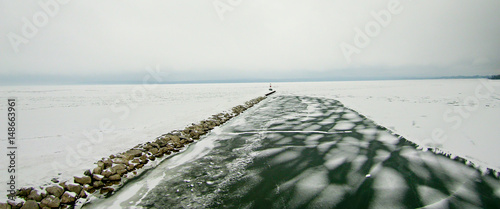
(117, 168)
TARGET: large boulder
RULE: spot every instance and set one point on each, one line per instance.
(83, 180)
(108, 163)
(130, 167)
(120, 160)
(134, 152)
(68, 197)
(97, 170)
(98, 184)
(24, 192)
(76, 188)
(15, 204)
(115, 177)
(97, 177)
(154, 151)
(50, 201)
(118, 167)
(30, 204)
(35, 195)
(83, 194)
(55, 190)
(107, 173)
(106, 190)
(165, 150)
(175, 139)
(161, 142)
(87, 172)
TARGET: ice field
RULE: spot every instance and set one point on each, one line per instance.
(63, 130)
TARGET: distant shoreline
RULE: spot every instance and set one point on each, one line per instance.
(5, 84)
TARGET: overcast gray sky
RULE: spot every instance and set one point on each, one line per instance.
(116, 40)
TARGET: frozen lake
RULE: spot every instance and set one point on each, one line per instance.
(303, 152)
(71, 127)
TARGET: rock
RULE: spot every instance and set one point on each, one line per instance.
(15, 204)
(76, 188)
(161, 142)
(134, 152)
(164, 150)
(143, 157)
(97, 170)
(83, 194)
(30, 204)
(115, 177)
(87, 172)
(159, 155)
(83, 180)
(154, 151)
(34, 195)
(55, 190)
(127, 157)
(98, 184)
(87, 187)
(97, 177)
(130, 167)
(118, 167)
(5, 206)
(108, 163)
(152, 157)
(67, 207)
(100, 164)
(107, 173)
(51, 201)
(120, 161)
(194, 135)
(175, 138)
(121, 171)
(63, 185)
(24, 192)
(68, 197)
(54, 180)
(136, 161)
(44, 194)
(106, 190)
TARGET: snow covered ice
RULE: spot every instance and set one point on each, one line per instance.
(250, 166)
(53, 120)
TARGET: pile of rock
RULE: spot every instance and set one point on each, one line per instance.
(115, 168)
(63, 195)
